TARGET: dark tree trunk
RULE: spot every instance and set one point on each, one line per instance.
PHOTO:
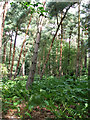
(78, 47)
(81, 63)
(4, 52)
(10, 50)
(13, 53)
(85, 59)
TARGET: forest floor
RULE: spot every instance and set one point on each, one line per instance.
(49, 99)
(37, 114)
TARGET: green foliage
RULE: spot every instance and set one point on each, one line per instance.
(64, 97)
(3, 70)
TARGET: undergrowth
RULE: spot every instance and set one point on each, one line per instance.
(64, 97)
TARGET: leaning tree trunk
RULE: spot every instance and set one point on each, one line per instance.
(78, 45)
(13, 53)
(60, 68)
(53, 41)
(22, 46)
(35, 54)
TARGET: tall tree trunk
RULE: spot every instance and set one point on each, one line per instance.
(68, 70)
(89, 57)
(34, 61)
(23, 62)
(81, 63)
(35, 54)
(22, 46)
(10, 50)
(13, 53)
(78, 45)
(4, 53)
(2, 21)
(53, 41)
(60, 68)
(57, 43)
(85, 59)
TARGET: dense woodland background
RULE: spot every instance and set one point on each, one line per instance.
(45, 64)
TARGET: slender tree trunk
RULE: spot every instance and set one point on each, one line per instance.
(81, 63)
(85, 59)
(4, 53)
(53, 41)
(69, 53)
(88, 58)
(2, 21)
(13, 53)
(60, 68)
(10, 50)
(78, 47)
(57, 43)
(22, 47)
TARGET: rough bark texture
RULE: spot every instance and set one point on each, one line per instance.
(35, 54)
(34, 61)
(22, 47)
(13, 53)
(53, 41)
(78, 47)
(60, 68)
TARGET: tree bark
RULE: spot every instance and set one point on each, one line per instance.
(60, 68)
(68, 70)
(2, 21)
(81, 63)
(10, 50)
(35, 54)
(85, 59)
(53, 41)
(4, 53)
(13, 53)
(22, 46)
(25, 51)
(78, 45)
(34, 61)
